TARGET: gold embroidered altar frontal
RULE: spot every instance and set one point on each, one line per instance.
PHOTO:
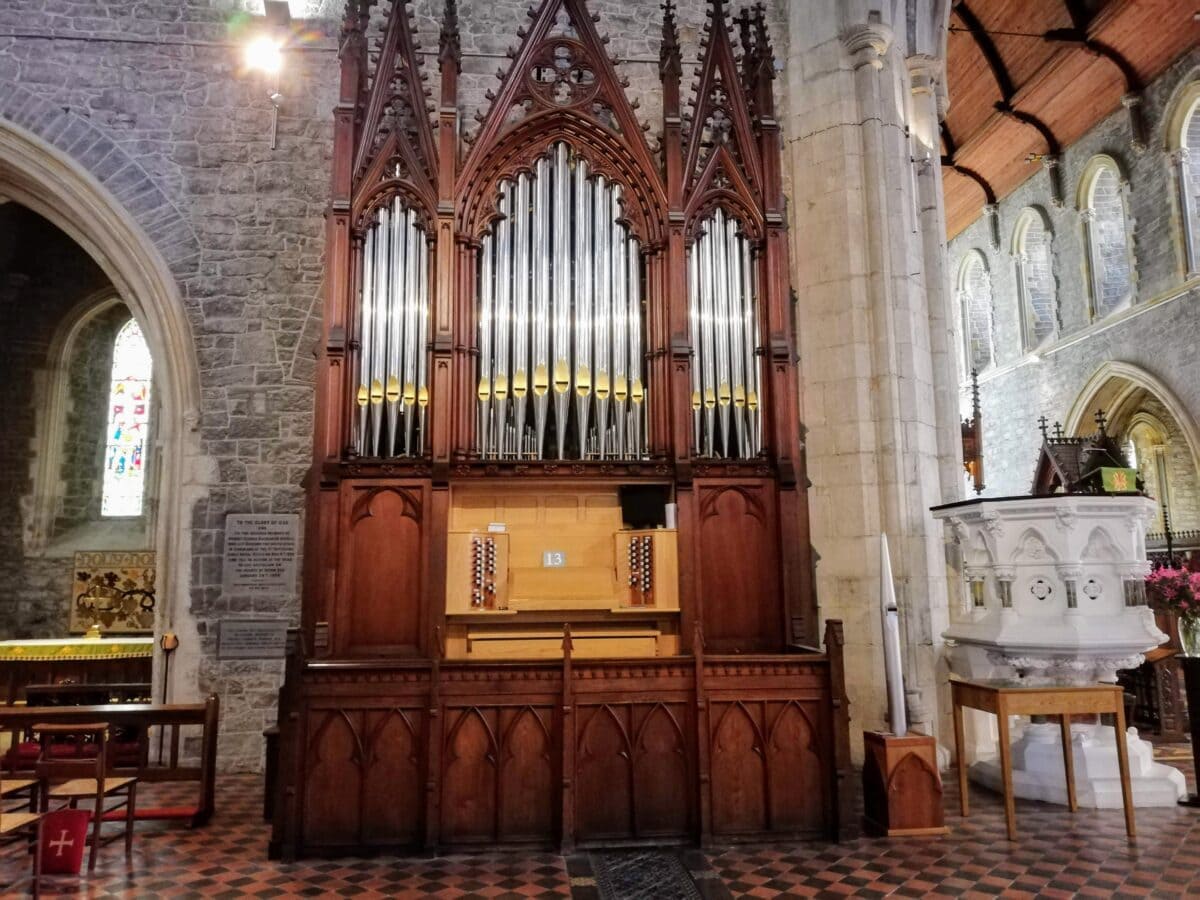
(115, 590)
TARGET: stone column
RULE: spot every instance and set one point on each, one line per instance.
(867, 359)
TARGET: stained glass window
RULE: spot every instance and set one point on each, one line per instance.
(125, 439)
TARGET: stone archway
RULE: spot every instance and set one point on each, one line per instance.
(39, 176)
(1128, 395)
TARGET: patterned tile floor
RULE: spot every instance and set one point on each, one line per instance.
(1059, 855)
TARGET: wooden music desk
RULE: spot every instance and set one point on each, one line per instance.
(1004, 699)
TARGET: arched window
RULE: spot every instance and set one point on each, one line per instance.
(125, 440)
(1035, 280)
(1184, 145)
(1105, 225)
(975, 297)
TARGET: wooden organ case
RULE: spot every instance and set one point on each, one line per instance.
(543, 345)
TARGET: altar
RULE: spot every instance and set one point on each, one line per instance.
(80, 660)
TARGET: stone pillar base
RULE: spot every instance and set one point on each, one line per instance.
(1038, 772)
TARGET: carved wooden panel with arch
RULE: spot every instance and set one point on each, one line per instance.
(499, 766)
(737, 544)
(634, 765)
(382, 568)
(364, 784)
(768, 769)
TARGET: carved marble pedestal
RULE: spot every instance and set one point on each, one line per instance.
(1052, 593)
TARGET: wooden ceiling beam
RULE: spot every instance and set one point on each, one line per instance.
(987, 47)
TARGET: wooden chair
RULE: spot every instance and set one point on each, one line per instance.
(85, 776)
(22, 824)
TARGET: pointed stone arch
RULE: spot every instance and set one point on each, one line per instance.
(142, 248)
(1114, 382)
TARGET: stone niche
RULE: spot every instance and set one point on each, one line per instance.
(1052, 593)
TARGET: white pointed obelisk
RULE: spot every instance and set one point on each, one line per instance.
(897, 714)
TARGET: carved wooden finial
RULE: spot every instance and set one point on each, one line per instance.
(449, 42)
(1043, 426)
(1101, 422)
(670, 62)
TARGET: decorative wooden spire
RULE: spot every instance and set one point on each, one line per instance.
(396, 136)
(721, 121)
(449, 44)
(670, 61)
(563, 83)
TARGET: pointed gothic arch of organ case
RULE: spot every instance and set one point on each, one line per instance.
(435, 649)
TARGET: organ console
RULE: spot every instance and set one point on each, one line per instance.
(539, 336)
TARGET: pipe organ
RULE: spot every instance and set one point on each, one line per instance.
(724, 329)
(392, 393)
(558, 583)
(560, 319)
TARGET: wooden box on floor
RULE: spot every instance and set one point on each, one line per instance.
(902, 790)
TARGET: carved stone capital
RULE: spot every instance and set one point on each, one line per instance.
(867, 43)
(924, 72)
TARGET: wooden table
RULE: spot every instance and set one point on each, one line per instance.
(1004, 699)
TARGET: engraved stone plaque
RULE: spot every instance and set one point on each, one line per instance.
(260, 555)
(252, 639)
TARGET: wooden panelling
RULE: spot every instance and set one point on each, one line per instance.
(766, 768)
(738, 551)
(381, 567)
(498, 768)
(364, 785)
(631, 752)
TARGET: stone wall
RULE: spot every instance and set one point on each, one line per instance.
(1157, 334)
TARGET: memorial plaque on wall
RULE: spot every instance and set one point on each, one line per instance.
(252, 639)
(260, 555)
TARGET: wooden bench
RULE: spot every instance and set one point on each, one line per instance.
(142, 719)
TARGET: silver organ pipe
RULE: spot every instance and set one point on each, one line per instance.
(708, 352)
(384, 298)
(486, 326)
(637, 390)
(540, 326)
(561, 374)
(723, 316)
(366, 317)
(560, 308)
(504, 284)
(520, 317)
(392, 322)
(602, 312)
(583, 303)
(693, 267)
(620, 323)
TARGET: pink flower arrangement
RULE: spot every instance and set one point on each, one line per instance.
(1174, 590)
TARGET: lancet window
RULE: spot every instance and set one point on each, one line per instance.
(975, 296)
(1035, 280)
(127, 428)
(560, 319)
(392, 392)
(1104, 219)
(726, 418)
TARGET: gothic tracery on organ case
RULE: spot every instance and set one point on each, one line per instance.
(558, 419)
